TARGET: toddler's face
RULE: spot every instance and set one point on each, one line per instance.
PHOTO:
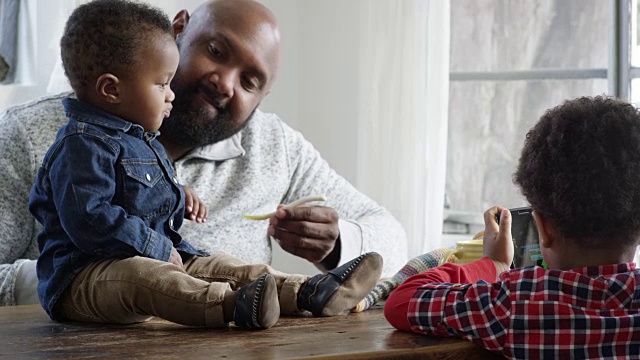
(146, 93)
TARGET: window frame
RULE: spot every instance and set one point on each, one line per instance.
(619, 72)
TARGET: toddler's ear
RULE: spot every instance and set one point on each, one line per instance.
(108, 88)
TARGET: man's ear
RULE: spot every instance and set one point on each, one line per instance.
(108, 88)
(180, 22)
(545, 230)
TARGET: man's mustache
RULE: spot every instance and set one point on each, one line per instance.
(215, 99)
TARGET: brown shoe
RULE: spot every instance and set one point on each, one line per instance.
(257, 305)
(342, 288)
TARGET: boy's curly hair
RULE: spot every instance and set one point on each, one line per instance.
(580, 168)
(104, 36)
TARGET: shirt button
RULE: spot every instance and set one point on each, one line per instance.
(148, 177)
(171, 223)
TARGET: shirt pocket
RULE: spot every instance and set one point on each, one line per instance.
(146, 193)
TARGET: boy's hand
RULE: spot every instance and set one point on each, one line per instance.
(497, 243)
(195, 207)
(175, 258)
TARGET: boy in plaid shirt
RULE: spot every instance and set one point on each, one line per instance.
(579, 169)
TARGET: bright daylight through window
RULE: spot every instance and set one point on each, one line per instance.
(507, 69)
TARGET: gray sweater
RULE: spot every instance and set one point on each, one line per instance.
(264, 165)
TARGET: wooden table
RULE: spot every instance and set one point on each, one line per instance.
(27, 332)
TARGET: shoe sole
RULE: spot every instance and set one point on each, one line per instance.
(269, 304)
(356, 287)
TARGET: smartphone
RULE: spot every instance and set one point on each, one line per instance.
(525, 238)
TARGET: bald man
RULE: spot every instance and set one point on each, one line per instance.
(237, 159)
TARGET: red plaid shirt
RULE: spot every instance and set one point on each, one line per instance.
(588, 313)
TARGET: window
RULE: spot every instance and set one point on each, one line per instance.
(512, 60)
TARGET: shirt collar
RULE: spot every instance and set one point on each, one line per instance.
(226, 149)
(222, 150)
(84, 112)
(606, 270)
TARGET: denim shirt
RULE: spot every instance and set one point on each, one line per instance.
(105, 189)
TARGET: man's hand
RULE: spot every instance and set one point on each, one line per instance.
(175, 258)
(309, 232)
(497, 243)
(195, 207)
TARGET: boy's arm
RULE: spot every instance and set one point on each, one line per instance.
(397, 304)
(461, 300)
(479, 312)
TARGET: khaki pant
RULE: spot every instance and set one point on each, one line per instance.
(132, 290)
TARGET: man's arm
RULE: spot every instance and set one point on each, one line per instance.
(18, 283)
(27, 132)
(363, 225)
(17, 167)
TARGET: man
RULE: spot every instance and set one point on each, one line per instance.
(237, 158)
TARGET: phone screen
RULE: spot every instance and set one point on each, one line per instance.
(525, 238)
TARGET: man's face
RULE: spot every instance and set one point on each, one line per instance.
(227, 66)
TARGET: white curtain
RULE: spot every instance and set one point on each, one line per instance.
(402, 108)
(17, 22)
(9, 10)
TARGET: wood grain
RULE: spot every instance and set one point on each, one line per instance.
(27, 332)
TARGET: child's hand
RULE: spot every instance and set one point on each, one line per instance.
(497, 243)
(175, 258)
(196, 208)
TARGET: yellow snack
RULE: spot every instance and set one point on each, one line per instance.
(300, 201)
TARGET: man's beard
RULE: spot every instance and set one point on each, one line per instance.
(191, 126)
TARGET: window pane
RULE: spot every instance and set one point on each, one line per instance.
(635, 39)
(635, 91)
(488, 122)
(502, 35)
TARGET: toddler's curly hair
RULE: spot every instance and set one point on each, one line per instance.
(580, 169)
(104, 36)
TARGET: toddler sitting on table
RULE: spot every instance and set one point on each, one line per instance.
(110, 204)
(579, 170)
